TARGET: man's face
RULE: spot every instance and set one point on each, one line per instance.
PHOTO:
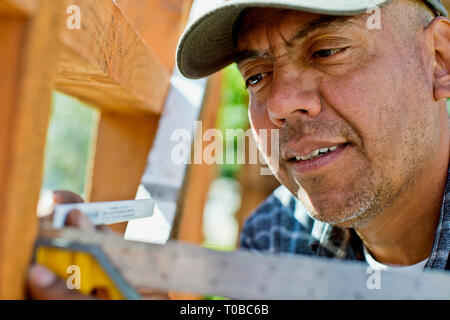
(365, 97)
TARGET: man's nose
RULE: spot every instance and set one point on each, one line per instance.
(293, 94)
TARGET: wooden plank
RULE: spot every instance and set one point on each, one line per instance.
(121, 149)
(108, 65)
(18, 7)
(27, 60)
(245, 274)
(116, 173)
(168, 19)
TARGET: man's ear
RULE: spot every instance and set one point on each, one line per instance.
(441, 37)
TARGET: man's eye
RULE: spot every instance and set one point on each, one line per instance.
(254, 80)
(326, 53)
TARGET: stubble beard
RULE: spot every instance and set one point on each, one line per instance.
(360, 208)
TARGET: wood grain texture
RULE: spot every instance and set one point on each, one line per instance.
(124, 140)
(27, 60)
(118, 163)
(107, 63)
(168, 19)
(18, 7)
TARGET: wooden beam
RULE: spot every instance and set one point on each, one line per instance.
(168, 19)
(107, 63)
(27, 69)
(121, 149)
(123, 142)
(18, 7)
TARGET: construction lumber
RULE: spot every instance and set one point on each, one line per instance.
(107, 64)
(168, 19)
(122, 145)
(25, 93)
(18, 7)
(123, 138)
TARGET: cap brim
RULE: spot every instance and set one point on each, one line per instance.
(207, 44)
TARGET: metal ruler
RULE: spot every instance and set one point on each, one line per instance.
(242, 274)
(100, 213)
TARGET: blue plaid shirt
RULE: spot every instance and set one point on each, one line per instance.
(282, 225)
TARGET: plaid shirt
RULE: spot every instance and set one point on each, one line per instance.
(282, 225)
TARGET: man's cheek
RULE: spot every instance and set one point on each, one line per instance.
(365, 101)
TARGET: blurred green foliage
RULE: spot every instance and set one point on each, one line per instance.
(68, 144)
(233, 114)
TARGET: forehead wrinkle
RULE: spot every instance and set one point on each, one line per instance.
(248, 55)
(322, 23)
(319, 24)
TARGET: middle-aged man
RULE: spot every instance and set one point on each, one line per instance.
(362, 119)
(361, 111)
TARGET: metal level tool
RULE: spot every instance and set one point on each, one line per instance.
(240, 274)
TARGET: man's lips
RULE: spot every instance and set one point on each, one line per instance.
(317, 158)
(307, 150)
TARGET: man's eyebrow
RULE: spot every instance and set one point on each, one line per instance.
(315, 25)
(250, 54)
(322, 23)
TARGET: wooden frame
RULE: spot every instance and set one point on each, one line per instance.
(109, 64)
